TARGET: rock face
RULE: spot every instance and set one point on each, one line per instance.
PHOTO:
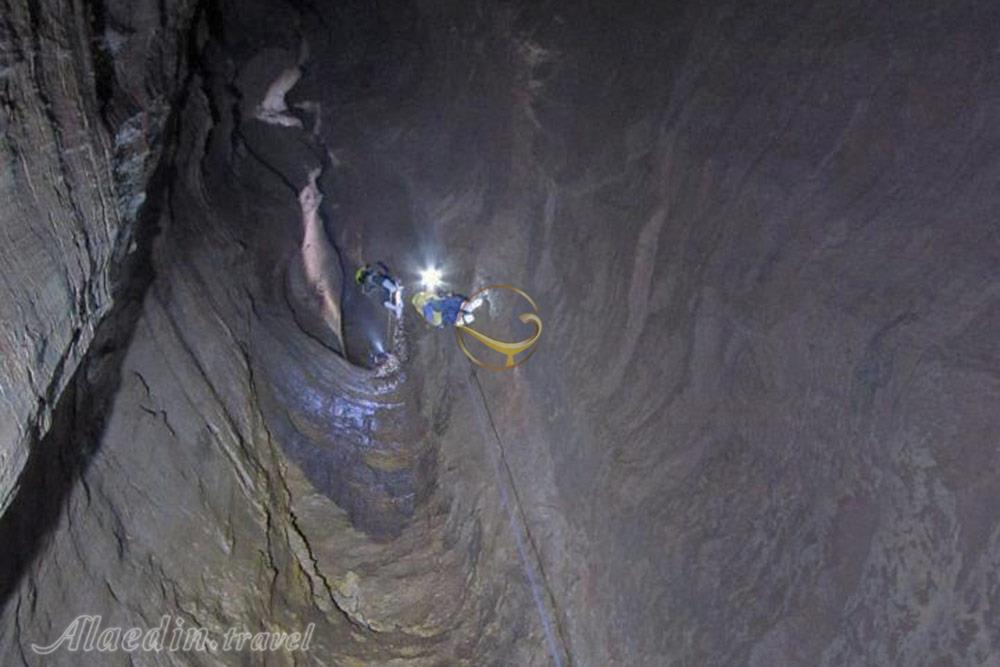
(84, 93)
(760, 429)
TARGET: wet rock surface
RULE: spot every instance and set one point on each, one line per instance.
(760, 429)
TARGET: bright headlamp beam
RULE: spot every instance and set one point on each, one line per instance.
(431, 278)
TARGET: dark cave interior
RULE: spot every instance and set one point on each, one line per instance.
(759, 428)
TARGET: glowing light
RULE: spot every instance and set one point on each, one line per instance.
(431, 278)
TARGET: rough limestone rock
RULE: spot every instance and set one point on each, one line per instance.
(760, 428)
(85, 90)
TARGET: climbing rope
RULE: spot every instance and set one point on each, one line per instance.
(532, 565)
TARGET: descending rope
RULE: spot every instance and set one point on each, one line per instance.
(531, 565)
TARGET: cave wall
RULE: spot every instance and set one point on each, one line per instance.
(239, 472)
(85, 91)
(764, 239)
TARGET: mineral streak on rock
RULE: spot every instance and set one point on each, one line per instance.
(318, 259)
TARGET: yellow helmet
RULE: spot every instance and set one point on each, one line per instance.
(421, 299)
